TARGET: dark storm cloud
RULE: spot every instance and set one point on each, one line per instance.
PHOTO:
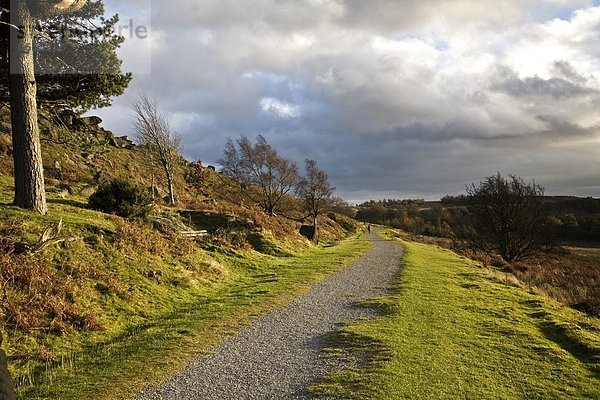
(406, 98)
(555, 87)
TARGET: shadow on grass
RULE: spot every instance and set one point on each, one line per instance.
(564, 336)
(69, 202)
(356, 354)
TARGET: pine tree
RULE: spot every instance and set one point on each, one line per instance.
(90, 56)
(76, 62)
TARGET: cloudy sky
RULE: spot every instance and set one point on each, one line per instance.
(393, 98)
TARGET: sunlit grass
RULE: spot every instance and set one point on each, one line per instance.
(160, 301)
(457, 331)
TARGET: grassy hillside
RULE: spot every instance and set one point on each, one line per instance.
(122, 302)
(455, 330)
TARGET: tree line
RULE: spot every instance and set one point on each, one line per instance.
(501, 214)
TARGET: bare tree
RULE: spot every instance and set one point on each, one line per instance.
(27, 155)
(510, 215)
(315, 192)
(262, 175)
(343, 207)
(153, 130)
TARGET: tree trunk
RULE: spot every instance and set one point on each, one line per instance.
(27, 154)
(171, 187)
(153, 187)
(316, 237)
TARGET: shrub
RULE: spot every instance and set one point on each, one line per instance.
(123, 198)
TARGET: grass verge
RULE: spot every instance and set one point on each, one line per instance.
(456, 330)
(119, 365)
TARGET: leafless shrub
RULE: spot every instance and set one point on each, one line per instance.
(153, 131)
(510, 215)
(315, 192)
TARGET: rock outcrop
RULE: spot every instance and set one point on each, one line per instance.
(91, 126)
(86, 129)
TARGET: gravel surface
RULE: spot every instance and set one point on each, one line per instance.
(280, 354)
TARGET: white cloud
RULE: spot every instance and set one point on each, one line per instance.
(279, 108)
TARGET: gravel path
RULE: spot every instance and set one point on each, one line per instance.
(280, 354)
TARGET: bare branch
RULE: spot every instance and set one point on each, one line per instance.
(10, 25)
(264, 177)
(315, 192)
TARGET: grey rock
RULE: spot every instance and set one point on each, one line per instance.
(88, 190)
(90, 121)
(68, 117)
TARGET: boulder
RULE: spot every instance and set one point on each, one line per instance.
(308, 231)
(108, 135)
(88, 190)
(121, 142)
(126, 139)
(90, 121)
(68, 117)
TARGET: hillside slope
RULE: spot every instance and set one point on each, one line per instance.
(123, 291)
(84, 317)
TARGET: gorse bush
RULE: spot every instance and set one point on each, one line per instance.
(122, 198)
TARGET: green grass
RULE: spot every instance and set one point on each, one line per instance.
(118, 365)
(160, 302)
(454, 330)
